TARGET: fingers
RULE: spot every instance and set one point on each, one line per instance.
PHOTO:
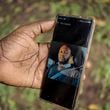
(35, 29)
(45, 26)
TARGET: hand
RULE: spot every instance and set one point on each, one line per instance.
(22, 61)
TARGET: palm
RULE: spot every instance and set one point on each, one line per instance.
(23, 58)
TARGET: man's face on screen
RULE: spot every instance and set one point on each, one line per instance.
(64, 53)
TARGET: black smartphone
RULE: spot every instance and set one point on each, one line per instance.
(66, 60)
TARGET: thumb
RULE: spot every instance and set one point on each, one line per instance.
(37, 28)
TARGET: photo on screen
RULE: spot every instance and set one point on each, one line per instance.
(65, 62)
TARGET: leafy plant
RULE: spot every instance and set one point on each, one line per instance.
(107, 106)
(103, 34)
(102, 75)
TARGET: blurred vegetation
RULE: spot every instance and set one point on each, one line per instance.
(17, 12)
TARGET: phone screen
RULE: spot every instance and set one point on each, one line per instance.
(65, 62)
